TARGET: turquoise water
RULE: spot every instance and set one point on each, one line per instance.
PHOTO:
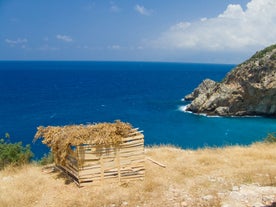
(148, 95)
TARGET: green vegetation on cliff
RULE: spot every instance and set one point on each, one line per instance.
(262, 53)
(13, 153)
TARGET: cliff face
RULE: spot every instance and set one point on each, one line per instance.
(249, 89)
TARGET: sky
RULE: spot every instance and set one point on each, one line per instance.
(199, 31)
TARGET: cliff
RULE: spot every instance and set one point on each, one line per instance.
(249, 89)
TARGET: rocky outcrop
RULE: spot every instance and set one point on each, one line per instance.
(249, 89)
(206, 86)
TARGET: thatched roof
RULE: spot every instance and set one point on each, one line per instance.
(61, 138)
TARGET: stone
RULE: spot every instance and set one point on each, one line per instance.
(235, 188)
(205, 87)
(249, 89)
(208, 197)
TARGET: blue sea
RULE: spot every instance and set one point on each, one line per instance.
(146, 94)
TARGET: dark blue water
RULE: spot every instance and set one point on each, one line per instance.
(148, 95)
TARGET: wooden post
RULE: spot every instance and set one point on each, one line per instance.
(118, 163)
(102, 168)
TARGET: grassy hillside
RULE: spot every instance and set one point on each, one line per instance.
(191, 178)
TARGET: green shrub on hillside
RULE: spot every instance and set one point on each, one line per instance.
(270, 138)
(14, 153)
(47, 159)
(273, 56)
(262, 53)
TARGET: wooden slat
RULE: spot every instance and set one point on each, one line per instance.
(135, 133)
(128, 159)
(114, 172)
(82, 180)
(133, 160)
(133, 143)
(134, 153)
(90, 156)
(90, 176)
(102, 170)
(131, 163)
(90, 171)
(134, 147)
(133, 167)
(135, 137)
(109, 165)
(72, 165)
(90, 163)
(71, 170)
(67, 169)
(130, 154)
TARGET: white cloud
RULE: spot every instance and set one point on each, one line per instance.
(234, 29)
(234, 11)
(115, 47)
(18, 41)
(142, 10)
(64, 38)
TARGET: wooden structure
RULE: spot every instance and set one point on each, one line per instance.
(89, 161)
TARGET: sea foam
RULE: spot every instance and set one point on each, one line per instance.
(184, 109)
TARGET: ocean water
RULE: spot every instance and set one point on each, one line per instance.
(148, 95)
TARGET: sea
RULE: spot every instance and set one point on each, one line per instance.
(149, 95)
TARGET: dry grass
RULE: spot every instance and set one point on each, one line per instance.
(191, 177)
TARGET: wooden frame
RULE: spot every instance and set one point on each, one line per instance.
(95, 164)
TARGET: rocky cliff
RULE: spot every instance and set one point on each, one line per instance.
(249, 89)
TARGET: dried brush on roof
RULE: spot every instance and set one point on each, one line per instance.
(61, 138)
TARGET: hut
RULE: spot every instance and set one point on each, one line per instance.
(96, 153)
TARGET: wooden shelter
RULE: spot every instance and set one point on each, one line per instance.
(97, 152)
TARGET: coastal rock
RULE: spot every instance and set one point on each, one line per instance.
(206, 86)
(249, 89)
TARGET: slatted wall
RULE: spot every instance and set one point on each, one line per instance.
(99, 164)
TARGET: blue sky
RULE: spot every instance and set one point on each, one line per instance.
(213, 31)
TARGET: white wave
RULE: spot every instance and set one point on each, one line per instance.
(211, 116)
(184, 109)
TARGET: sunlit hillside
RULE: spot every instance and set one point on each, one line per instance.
(204, 177)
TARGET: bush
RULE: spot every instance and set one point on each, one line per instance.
(262, 53)
(47, 159)
(273, 56)
(270, 138)
(14, 153)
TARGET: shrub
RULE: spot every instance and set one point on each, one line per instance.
(14, 153)
(273, 56)
(262, 53)
(270, 138)
(47, 159)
